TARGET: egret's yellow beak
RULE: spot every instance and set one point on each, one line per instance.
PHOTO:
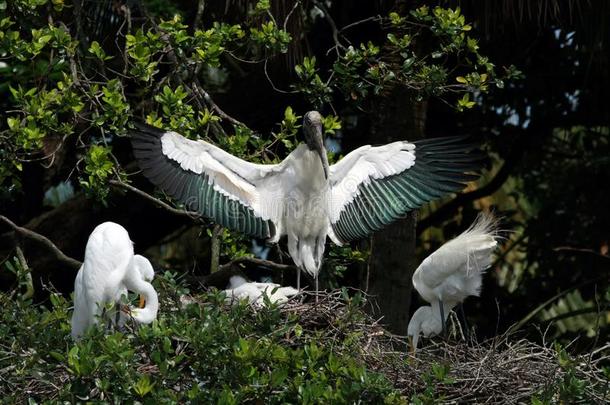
(142, 301)
(410, 345)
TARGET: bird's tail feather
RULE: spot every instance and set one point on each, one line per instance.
(485, 224)
(307, 253)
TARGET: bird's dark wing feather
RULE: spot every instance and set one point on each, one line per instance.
(204, 178)
(383, 192)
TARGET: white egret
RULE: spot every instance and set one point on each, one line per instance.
(255, 293)
(450, 275)
(303, 197)
(108, 271)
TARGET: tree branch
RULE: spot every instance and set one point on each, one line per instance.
(521, 142)
(199, 15)
(215, 249)
(196, 87)
(449, 209)
(259, 262)
(331, 23)
(213, 106)
(59, 255)
(191, 214)
(580, 250)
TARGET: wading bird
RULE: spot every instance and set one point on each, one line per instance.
(255, 292)
(450, 275)
(110, 269)
(303, 197)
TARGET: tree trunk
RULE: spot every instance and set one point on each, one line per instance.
(393, 261)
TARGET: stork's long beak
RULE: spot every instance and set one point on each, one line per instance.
(321, 150)
(142, 301)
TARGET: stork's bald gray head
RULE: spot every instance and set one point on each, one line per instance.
(312, 129)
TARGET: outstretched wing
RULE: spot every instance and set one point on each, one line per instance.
(373, 186)
(205, 179)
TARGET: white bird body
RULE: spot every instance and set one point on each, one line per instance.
(255, 293)
(108, 271)
(303, 197)
(425, 321)
(451, 274)
(305, 210)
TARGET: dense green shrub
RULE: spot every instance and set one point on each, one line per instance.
(205, 351)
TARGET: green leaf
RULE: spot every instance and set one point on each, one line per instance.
(143, 386)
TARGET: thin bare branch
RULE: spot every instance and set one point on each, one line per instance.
(331, 22)
(273, 84)
(183, 212)
(365, 20)
(200, 9)
(580, 250)
(213, 106)
(294, 7)
(258, 262)
(43, 240)
(215, 249)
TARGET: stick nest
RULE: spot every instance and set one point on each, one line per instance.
(504, 369)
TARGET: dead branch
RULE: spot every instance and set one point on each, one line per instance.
(258, 262)
(42, 240)
(213, 106)
(580, 250)
(191, 214)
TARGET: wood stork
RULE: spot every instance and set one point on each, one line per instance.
(110, 269)
(303, 197)
(255, 293)
(450, 275)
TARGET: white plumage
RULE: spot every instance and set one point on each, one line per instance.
(254, 293)
(303, 197)
(451, 274)
(110, 269)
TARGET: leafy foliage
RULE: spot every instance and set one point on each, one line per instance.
(203, 351)
(370, 69)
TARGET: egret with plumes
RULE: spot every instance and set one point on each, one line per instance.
(303, 197)
(450, 275)
(110, 269)
(240, 288)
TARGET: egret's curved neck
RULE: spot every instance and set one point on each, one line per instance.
(149, 312)
(134, 282)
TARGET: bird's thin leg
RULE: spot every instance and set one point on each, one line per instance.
(298, 278)
(117, 317)
(316, 278)
(463, 315)
(104, 316)
(442, 309)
